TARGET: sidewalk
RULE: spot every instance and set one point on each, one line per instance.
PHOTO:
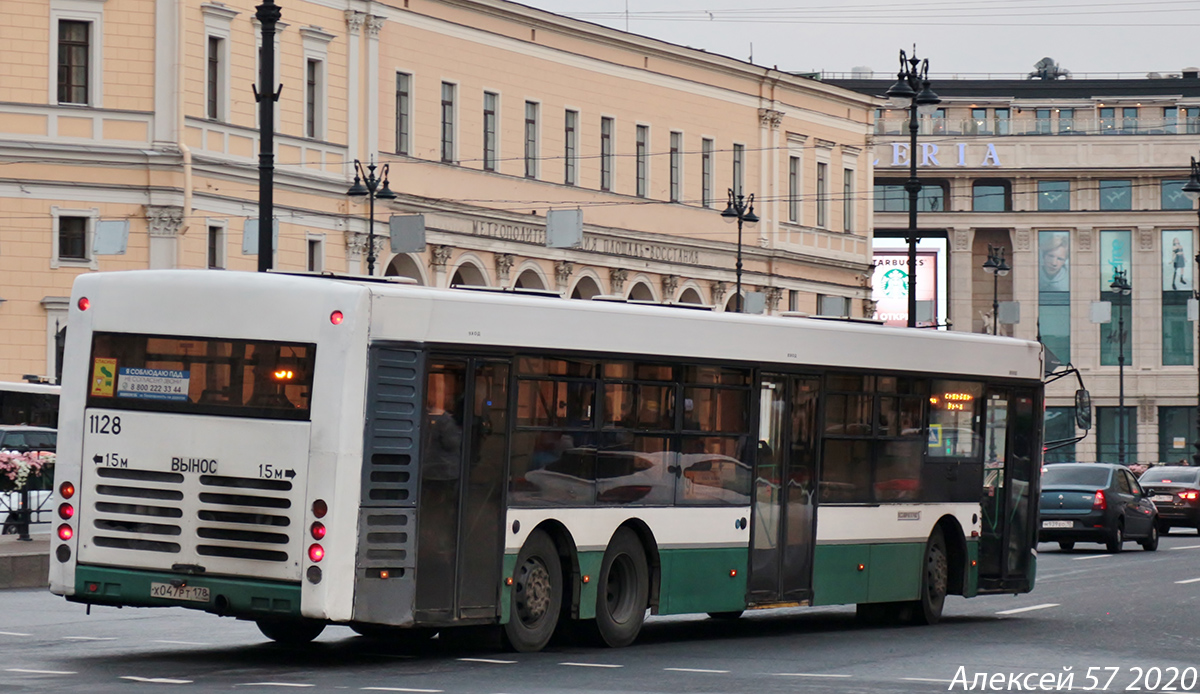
(24, 564)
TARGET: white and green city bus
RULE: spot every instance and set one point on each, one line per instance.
(305, 450)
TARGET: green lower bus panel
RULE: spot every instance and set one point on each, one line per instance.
(226, 596)
(895, 572)
(850, 574)
(703, 580)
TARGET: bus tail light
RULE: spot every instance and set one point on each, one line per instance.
(65, 532)
(1099, 503)
(66, 511)
(84, 304)
(318, 530)
(316, 552)
(66, 490)
(320, 508)
(336, 318)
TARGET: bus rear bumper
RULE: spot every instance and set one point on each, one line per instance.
(234, 597)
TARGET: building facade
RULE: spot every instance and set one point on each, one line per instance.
(1075, 179)
(128, 140)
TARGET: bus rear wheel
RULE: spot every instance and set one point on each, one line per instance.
(623, 590)
(536, 594)
(291, 632)
(935, 577)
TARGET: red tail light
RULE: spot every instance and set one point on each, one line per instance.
(320, 508)
(65, 532)
(84, 304)
(316, 552)
(336, 317)
(66, 511)
(318, 530)
(66, 490)
(1099, 503)
(1189, 496)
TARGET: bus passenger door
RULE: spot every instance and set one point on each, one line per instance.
(783, 513)
(1010, 460)
(460, 507)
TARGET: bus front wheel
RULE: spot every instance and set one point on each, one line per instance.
(623, 591)
(935, 577)
(536, 594)
(291, 632)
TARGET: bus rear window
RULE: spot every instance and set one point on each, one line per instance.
(239, 378)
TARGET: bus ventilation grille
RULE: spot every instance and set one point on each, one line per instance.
(135, 517)
(393, 406)
(387, 538)
(241, 515)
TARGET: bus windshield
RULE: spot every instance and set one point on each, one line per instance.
(242, 378)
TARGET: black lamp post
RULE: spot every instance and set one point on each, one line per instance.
(997, 268)
(741, 208)
(266, 95)
(911, 91)
(1192, 190)
(1120, 288)
(373, 191)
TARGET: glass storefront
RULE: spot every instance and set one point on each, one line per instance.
(1054, 292)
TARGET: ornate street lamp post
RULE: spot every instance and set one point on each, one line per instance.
(373, 191)
(741, 208)
(1192, 190)
(1120, 287)
(911, 91)
(997, 268)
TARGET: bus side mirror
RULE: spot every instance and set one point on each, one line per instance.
(1083, 409)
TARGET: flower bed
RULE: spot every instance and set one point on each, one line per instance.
(24, 470)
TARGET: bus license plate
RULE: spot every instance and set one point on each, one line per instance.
(187, 593)
(1057, 524)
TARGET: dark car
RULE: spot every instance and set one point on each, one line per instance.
(1095, 502)
(1175, 491)
(24, 439)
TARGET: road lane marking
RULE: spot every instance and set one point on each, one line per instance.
(154, 680)
(401, 689)
(700, 670)
(1187, 547)
(1190, 580)
(272, 684)
(89, 638)
(24, 671)
(925, 679)
(808, 674)
(591, 665)
(182, 643)
(1094, 556)
(492, 661)
(1031, 608)
(13, 633)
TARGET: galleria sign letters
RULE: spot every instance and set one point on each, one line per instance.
(930, 154)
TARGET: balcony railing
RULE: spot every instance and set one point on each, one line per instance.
(1079, 125)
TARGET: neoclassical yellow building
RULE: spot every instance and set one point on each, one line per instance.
(128, 139)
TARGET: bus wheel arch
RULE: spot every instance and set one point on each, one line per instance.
(956, 554)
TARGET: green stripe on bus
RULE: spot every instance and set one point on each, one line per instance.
(703, 580)
(242, 597)
(850, 574)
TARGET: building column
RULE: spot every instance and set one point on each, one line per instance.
(374, 26)
(1024, 265)
(166, 226)
(962, 274)
(354, 24)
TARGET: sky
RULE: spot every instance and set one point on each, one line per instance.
(969, 38)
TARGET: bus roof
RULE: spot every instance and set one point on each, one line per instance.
(406, 312)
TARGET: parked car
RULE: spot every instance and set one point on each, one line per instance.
(24, 439)
(1175, 491)
(1095, 502)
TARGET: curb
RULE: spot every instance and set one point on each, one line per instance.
(30, 570)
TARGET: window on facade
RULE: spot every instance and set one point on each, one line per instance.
(794, 189)
(312, 99)
(1042, 121)
(316, 255)
(676, 166)
(1191, 119)
(890, 196)
(1054, 196)
(1170, 117)
(606, 153)
(1129, 120)
(848, 200)
(1002, 121)
(1116, 254)
(641, 155)
(1173, 197)
(833, 305)
(991, 196)
(937, 122)
(448, 151)
(739, 168)
(1060, 426)
(491, 104)
(1116, 195)
(822, 195)
(72, 238)
(214, 79)
(403, 112)
(1109, 440)
(979, 121)
(531, 139)
(74, 61)
(1176, 432)
(1177, 285)
(706, 172)
(216, 247)
(1054, 292)
(1066, 120)
(571, 147)
(1108, 120)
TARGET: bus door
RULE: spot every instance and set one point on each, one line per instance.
(461, 503)
(784, 510)
(1010, 461)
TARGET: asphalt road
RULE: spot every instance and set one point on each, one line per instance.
(1090, 609)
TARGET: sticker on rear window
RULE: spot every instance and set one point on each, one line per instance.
(104, 372)
(153, 384)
